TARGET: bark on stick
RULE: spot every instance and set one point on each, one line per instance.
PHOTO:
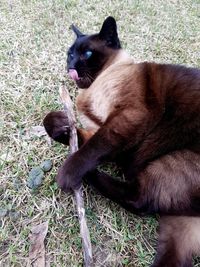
(73, 144)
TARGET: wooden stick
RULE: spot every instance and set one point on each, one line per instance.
(73, 144)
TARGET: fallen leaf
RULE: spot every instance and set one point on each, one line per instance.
(38, 131)
(33, 131)
(37, 248)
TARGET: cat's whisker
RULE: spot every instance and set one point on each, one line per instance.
(89, 76)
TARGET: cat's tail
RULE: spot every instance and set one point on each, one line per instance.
(179, 240)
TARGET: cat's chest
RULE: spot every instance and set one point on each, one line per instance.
(96, 103)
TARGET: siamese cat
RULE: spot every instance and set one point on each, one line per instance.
(146, 118)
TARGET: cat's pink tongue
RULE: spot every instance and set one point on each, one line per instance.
(73, 74)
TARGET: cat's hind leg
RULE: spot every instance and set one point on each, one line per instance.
(169, 185)
(179, 240)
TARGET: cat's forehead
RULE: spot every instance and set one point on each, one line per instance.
(83, 42)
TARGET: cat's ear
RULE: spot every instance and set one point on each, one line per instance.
(109, 33)
(76, 31)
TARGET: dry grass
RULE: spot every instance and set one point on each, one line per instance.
(34, 37)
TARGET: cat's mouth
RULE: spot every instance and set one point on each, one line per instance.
(73, 74)
(82, 82)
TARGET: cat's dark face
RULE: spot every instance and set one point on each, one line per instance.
(88, 54)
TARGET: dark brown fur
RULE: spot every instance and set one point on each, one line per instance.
(146, 118)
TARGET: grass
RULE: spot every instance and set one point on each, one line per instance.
(34, 36)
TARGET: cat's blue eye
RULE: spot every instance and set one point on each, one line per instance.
(71, 55)
(87, 54)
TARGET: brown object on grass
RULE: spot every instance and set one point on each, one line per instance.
(37, 248)
(73, 144)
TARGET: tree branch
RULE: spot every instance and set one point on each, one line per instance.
(73, 144)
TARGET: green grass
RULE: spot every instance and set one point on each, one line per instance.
(34, 36)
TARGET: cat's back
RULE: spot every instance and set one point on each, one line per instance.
(130, 81)
(125, 83)
(173, 76)
(181, 85)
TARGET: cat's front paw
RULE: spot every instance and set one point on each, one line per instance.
(56, 125)
(70, 174)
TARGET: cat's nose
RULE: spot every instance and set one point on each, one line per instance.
(70, 67)
(71, 64)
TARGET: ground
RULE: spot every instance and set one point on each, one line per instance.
(34, 36)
